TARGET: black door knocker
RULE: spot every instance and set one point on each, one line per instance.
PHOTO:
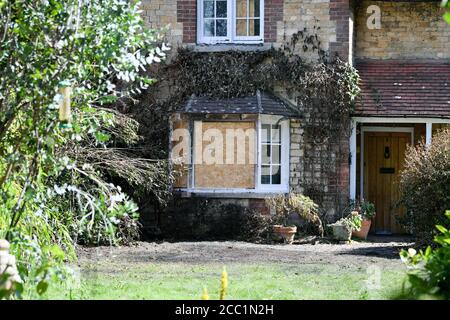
(387, 153)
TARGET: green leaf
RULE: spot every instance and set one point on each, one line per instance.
(42, 287)
(447, 17)
(101, 136)
(108, 99)
(441, 228)
(57, 252)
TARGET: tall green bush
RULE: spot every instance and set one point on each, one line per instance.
(50, 193)
(425, 186)
(429, 275)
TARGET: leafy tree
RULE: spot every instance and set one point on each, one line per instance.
(425, 186)
(429, 275)
(446, 4)
(99, 49)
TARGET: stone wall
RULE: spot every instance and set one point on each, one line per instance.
(296, 156)
(159, 14)
(200, 218)
(312, 15)
(408, 30)
(329, 19)
(320, 171)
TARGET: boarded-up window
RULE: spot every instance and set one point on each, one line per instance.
(181, 155)
(225, 155)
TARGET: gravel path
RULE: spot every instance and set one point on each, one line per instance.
(382, 251)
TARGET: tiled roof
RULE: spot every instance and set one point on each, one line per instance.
(260, 103)
(404, 88)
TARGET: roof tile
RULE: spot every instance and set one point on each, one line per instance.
(404, 88)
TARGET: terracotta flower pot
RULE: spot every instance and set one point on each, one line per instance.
(285, 233)
(365, 227)
(341, 232)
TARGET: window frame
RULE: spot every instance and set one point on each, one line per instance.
(231, 37)
(285, 141)
(285, 154)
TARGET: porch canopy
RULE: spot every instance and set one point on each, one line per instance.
(400, 92)
(404, 88)
(260, 103)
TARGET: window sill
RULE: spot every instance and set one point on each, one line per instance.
(221, 47)
(228, 194)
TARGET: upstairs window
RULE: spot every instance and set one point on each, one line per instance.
(230, 21)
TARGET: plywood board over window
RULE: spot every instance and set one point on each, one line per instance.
(235, 161)
(181, 166)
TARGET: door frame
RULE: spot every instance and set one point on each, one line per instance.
(377, 129)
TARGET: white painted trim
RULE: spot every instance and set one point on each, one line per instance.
(400, 120)
(285, 146)
(353, 161)
(259, 188)
(231, 27)
(429, 133)
(376, 129)
(231, 191)
(389, 129)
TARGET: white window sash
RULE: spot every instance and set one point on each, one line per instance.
(231, 27)
(285, 145)
(247, 39)
(283, 187)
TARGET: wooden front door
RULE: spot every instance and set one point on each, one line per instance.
(384, 158)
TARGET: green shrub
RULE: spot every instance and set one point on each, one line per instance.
(429, 275)
(305, 207)
(425, 186)
(47, 193)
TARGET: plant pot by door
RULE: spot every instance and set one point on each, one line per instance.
(365, 227)
(285, 233)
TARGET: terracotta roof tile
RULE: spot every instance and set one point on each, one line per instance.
(404, 88)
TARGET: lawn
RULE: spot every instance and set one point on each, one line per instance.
(119, 279)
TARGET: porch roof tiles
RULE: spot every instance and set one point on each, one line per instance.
(260, 103)
(405, 88)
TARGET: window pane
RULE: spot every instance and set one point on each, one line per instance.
(276, 174)
(241, 8)
(254, 10)
(209, 28)
(241, 27)
(221, 9)
(265, 175)
(276, 134)
(276, 154)
(265, 133)
(254, 27)
(221, 28)
(208, 10)
(265, 154)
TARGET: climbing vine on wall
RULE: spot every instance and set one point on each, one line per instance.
(324, 91)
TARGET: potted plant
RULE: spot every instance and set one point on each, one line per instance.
(280, 229)
(367, 211)
(293, 203)
(287, 234)
(343, 228)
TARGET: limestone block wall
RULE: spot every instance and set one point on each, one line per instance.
(159, 14)
(314, 15)
(329, 19)
(320, 172)
(409, 30)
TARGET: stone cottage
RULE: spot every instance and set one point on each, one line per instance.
(402, 52)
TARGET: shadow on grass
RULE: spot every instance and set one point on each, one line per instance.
(391, 252)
